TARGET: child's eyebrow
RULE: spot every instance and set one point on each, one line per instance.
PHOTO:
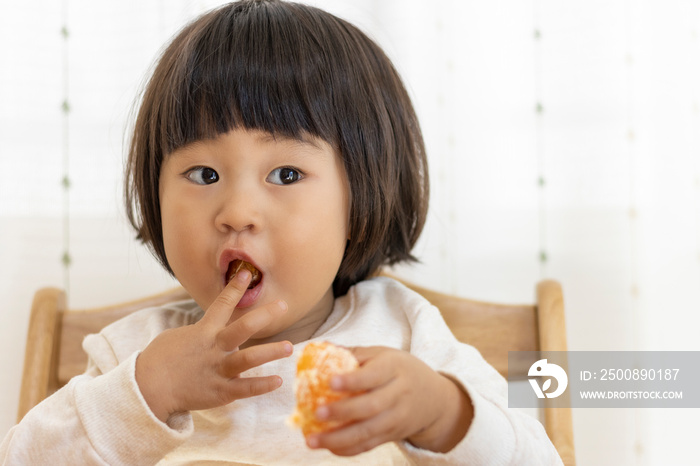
(304, 140)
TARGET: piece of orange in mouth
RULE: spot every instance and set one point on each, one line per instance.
(237, 265)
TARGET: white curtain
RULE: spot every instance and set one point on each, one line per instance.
(564, 142)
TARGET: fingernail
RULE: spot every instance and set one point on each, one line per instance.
(288, 348)
(282, 305)
(322, 413)
(312, 441)
(336, 382)
(243, 275)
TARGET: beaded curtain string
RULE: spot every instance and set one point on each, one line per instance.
(65, 151)
(632, 210)
(539, 142)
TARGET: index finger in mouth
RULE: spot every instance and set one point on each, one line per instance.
(219, 312)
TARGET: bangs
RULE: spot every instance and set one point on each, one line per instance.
(253, 68)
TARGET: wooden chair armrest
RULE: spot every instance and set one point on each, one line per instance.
(43, 334)
(552, 327)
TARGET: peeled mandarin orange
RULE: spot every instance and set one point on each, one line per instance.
(317, 364)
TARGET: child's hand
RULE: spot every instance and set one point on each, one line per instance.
(198, 366)
(405, 399)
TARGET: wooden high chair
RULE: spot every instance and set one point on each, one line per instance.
(54, 353)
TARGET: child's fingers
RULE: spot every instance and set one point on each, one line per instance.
(363, 379)
(359, 437)
(365, 353)
(241, 361)
(251, 386)
(360, 407)
(374, 371)
(219, 312)
(239, 331)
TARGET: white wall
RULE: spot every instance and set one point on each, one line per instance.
(617, 144)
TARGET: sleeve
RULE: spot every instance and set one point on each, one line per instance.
(95, 419)
(498, 435)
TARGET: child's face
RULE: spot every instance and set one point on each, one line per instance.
(280, 204)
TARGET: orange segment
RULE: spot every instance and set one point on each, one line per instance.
(317, 364)
(235, 266)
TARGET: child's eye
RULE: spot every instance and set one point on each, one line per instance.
(202, 175)
(284, 175)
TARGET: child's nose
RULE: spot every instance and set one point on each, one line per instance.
(238, 210)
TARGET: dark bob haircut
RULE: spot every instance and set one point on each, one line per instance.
(291, 70)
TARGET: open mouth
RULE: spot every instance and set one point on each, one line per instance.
(237, 265)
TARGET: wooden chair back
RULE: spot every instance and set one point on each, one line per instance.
(54, 352)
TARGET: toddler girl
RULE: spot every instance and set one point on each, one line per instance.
(277, 134)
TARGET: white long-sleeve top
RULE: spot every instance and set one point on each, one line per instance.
(100, 417)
